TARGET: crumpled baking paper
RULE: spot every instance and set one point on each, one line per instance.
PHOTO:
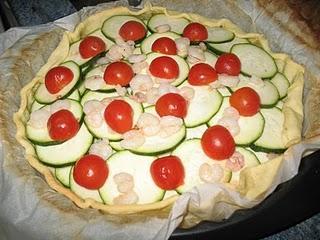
(29, 209)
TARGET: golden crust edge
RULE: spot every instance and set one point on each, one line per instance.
(81, 29)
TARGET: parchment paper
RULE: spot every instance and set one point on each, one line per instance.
(29, 209)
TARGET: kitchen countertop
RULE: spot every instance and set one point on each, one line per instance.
(36, 12)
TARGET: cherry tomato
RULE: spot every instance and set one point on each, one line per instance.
(217, 143)
(119, 116)
(62, 125)
(246, 101)
(228, 63)
(90, 172)
(57, 78)
(164, 45)
(132, 30)
(196, 32)
(202, 74)
(91, 46)
(118, 73)
(171, 104)
(164, 67)
(167, 172)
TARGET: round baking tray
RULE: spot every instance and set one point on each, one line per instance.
(291, 203)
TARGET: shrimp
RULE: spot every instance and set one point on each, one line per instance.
(203, 46)
(141, 83)
(94, 119)
(39, 118)
(101, 148)
(152, 95)
(121, 91)
(139, 97)
(59, 105)
(165, 88)
(182, 46)
(128, 198)
(231, 112)
(195, 55)
(210, 173)
(149, 124)
(137, 58)
(114, 54)
(163, 80)
(187, 93)
(92, 106)
(94, 82)
(231, 124)
(139, 66)
(170, 125)
(124, 181)
(163, 28)
(228, 81)
(132, 139)
(235, 162)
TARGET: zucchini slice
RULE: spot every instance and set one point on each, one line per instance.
(281, 83)
(251, 128)
(68, 152)
(146, 44)
(192, 156)
(183, 66)
(83, 192)
(63, 175)
(271, 138)
(74, 54)
(255, 61)
(176, 24)
(204, 105)
(112, 25)
(219, 35)
(225, 47)
(139, 167)
(41, 136)
(43, 96)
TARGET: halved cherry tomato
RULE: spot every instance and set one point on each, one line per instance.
(119, 116)
(164, 45)
(90, 172)
(196, 32)
(62, 125)
(228, 63)
(202, 74)
(246, 101)
(217, 143)
(118, 73)
(167, 172)
(172, 104)
(164, 67)
(91, 46)
(57, 78)
(132, 30)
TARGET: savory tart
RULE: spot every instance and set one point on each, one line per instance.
(134, 108)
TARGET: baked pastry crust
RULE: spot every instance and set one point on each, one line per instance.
(248, 186)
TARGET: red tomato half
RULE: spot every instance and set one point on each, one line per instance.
(164, 45)
(57, 78)
(167, 172)
(202, 74)
(119, 116)
(132, 30)
(62, 125)
(228, 63)
(164, 67)
(217, 143)
(196, 32)
(91, 172)
(118, 73)
(246, 101)
(171, 104)
(91, 46)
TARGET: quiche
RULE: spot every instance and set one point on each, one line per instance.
(133, 109)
